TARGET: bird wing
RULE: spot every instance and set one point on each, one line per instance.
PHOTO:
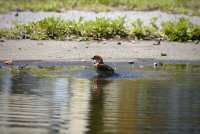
(104, 67)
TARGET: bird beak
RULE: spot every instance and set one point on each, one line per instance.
(92, 58)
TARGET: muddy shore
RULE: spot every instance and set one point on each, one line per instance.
(111, 50)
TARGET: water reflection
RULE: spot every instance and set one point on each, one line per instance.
(30, 104)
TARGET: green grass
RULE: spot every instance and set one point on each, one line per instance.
(175, 6)
(182, 30)
(140, 31)
(58, 29)
(102, 28)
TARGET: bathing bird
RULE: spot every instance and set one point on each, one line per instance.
(102, 69)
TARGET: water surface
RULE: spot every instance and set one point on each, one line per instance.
(74, 100)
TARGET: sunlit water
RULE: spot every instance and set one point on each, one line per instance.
(140, 101)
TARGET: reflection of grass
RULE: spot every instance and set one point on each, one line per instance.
(50, 71)
(40, 72)
(102, 28)
(180, 6)
(181, 67)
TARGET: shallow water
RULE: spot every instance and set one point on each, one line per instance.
(75, 100)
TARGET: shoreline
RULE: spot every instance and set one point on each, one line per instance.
(110, 50)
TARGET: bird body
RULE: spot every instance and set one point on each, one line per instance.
(102, 69)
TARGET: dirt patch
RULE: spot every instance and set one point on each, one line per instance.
(8, 20)
(110, 50)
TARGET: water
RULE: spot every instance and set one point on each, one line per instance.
(137, 101)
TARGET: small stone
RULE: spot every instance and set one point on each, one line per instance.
(196, 42)
(83, 60)
(157, 42)
(8, 62)
(133, 42)
(155, 64)
(141, 66)
(131, 62)
(20, 48)
(163, 54)
(16, 14)
(119, 43)
(2, 40)
(86, 47)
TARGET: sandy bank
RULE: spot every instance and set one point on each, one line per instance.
(8, 20)
(110, 50)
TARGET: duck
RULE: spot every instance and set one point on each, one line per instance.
(101, 68)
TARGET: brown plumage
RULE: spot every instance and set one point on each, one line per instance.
(102, 69)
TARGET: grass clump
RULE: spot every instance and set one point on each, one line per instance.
(140, 31)
(102, 28)
(58, 29)
(183, 30)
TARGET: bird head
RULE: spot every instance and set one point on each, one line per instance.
(97, 59)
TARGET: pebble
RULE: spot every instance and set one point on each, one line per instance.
(157, 42)
(8, 62)
(163, 54)
(119, 43)
(16, 14)
(155, 64)
(131, 62)
(2, 40)
(133, 42)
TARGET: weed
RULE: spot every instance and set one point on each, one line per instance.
(183, 30)
(140, 31)
(58, 29)
(102, 28)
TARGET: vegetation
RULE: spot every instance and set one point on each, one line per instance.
(182, 30)
(50, 71)
(175, 6)
(140, 31)
(55, 28)
(102, 28)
